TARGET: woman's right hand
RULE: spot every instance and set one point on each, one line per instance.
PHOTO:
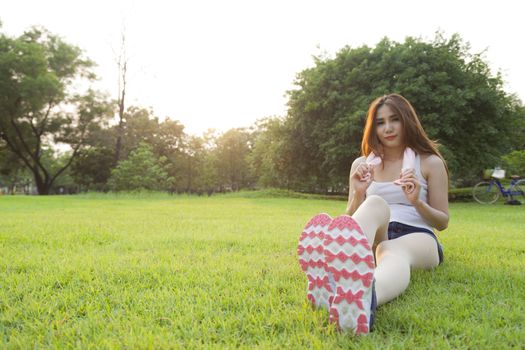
(361, 178)
(361, 175)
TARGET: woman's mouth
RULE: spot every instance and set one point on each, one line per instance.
(390, 138)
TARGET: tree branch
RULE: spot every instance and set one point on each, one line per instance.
(21, 138)
(43, 123)
(75, 151)
(35, 156)
(16, 151)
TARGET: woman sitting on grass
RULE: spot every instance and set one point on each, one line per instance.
(397, 197)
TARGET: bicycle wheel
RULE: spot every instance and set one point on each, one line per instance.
(485, 192)
(518, 191)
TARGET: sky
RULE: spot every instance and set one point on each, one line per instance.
(225, 64)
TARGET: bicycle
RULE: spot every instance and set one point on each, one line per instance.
(488, 192)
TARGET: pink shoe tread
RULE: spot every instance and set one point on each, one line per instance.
(312, 260)
(350, 260)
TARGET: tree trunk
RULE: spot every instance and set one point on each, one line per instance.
(122, 71)
(118, 146)
(43, 188)
(42, 185)
(120, 130)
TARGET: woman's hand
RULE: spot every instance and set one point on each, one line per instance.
(410, 185)
(362, 178)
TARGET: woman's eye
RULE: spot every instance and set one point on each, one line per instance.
(380, 122)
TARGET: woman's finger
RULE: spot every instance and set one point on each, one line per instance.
(363, 172)
(408, 172)
(408, 186)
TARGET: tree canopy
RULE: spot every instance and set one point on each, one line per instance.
(38, 107)
(142, 170)
(460, 103)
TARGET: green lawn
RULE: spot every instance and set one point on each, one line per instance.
(156, 271)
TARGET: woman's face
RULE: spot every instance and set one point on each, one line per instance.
(389, 127)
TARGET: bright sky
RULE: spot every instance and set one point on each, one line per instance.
(224, 64)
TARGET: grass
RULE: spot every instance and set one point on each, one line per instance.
(156, 271)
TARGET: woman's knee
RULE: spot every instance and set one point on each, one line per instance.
(373, 216)
(376, 205)
(376, 202)
(388, 247)
(423, 250)
(420, 250)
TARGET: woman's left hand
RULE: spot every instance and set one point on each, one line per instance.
(410, 185)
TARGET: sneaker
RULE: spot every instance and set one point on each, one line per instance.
(350, 260)
(312, 260)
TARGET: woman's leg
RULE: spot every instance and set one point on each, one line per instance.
(373, 216)
(394, 259)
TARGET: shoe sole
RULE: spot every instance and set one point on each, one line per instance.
(350, 260)
(312, 260)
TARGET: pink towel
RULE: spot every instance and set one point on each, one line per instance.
(371, 160)
(409, 162)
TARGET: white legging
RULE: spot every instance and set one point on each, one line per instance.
(394, 258)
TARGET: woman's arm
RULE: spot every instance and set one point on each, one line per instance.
(357, 185)
(435, 212)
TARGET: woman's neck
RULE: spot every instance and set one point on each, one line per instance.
(393, 154)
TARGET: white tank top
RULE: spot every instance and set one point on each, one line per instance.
(400, 208)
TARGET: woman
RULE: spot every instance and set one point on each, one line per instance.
(398, 195)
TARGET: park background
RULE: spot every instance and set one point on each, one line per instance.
(261, 106)
(278, 92)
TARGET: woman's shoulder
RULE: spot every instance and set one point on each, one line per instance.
(357, 162)
(431, 164)
(431, 160)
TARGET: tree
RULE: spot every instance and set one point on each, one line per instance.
(92, 168)
(140, 125)
(13, 173)
(191, 164)
(270, 160)
(122, 64)
(515, 162)
(233, 148)
(209, 178)
(38, 106)
(141, 171)
(169, 137)
(460, 103)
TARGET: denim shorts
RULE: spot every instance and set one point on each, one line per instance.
(397, 229)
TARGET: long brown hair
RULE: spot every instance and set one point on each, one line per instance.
(415, 136)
